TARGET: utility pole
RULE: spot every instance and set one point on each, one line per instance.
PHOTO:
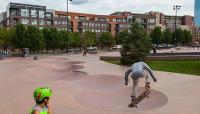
(176, 8)
(68, 25)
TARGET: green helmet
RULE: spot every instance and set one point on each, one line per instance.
(41, 92)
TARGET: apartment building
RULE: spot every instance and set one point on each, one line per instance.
(147, 21)
(2, 19)
(168, 21)
(80, 22)
(25, 14)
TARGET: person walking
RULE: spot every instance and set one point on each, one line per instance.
(85, 52)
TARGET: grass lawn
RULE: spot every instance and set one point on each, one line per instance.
(184, 67)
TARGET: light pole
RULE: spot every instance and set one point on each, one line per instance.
(68, 25)
(176, 8)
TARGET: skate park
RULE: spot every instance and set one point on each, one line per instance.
(89, 85)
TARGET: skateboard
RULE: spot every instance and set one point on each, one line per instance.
(143, 95)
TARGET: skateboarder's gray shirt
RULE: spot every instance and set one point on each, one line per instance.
(138, 70)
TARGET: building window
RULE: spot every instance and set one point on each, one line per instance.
(55, 22)
(59, 22)
(33, 13)
(41, 14)
(49, 15)
(151, 26)
(24, 21)
(76, 17)
(138, 20)
(41, 22)
(151, 20)
(34, 21)
(49, 23)
(63, 22)
(41, 28)
(82, 18)
(24, 12)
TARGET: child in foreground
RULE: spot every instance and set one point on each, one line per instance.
(42, 96)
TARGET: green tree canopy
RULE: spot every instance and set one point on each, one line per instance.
(89, 39)
(178, 36)
(168, 38)
(157, 36)
(18, 40)
(52, 38)
(106, 39)
(34, 39)
(188, 37)
(136, 45)
(63, 39)
(74, 39)
(121, 36)
(6, 35)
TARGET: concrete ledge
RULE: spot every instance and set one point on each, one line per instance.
(174, 57)
(110, 57)
(165, 57)
(171, 54)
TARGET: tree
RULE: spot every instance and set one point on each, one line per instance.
(136, 45)
(178, 37)
(53, 39)
(157, 36)
(6, 36)
(63, 39)
(188, 37)
(89, 39)
(74, 39)
(19, 40)
(120, 36)
(168, 38)
(34, 39)
(106, 40)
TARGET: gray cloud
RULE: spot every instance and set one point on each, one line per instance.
(78, 2)
(110, 6)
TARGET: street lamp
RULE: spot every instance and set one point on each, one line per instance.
(176, 8)
(68, 25)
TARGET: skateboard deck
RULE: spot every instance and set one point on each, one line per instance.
(143, 95)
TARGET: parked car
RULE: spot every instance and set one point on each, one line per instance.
(117, 47)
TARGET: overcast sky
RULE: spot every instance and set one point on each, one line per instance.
(110, 6)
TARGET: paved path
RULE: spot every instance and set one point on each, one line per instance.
(86, 85)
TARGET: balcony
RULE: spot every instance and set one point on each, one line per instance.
(80, 25)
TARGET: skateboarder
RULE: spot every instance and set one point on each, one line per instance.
(139, 70)
(85, 52)
(35, 57)
(42, 96)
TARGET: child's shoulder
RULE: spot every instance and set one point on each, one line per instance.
(35, 111)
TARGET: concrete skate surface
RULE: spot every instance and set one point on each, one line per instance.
(86, 85)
